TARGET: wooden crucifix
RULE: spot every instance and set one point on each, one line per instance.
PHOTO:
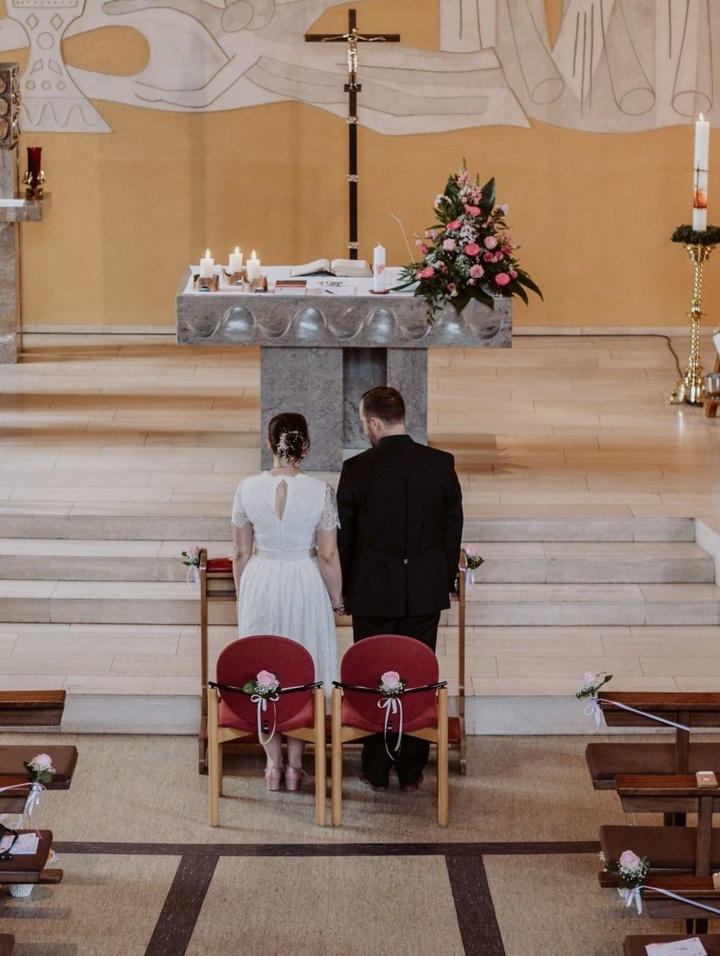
(352, 88)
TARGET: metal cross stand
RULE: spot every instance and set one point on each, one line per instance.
(352, 88)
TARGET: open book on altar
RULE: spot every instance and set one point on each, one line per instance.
(333, 267)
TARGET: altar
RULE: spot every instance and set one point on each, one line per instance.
(323, 345)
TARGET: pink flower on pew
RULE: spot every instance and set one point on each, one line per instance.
(192, 555)
(472, 553)
(590, 685)
(266, 684)
(391, 684)
(632, 869)
(40, 768)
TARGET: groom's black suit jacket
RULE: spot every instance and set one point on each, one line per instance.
(401, 522)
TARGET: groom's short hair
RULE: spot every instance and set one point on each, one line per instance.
(384, 403)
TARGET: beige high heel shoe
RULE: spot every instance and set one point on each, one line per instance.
(273, 777)
(294, 776)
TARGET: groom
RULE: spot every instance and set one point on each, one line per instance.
(401, 522)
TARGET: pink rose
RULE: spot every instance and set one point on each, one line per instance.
(472, 248)
(449, 245)
(490, 242)
(629, 860)
(472, 550)
(193, 550)
(488, 257)
(421, 246)
(477, 271)
(472, 210)
(502, 278)
(266, 679)
(390, 679)
(455, 224)
(42, 762)
(427, 273)
(588, 678)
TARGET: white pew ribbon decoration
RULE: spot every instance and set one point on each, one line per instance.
(391, 685)
(589, 688)
(472, 562)
(633, 870)
(192, 559)
(265, 687)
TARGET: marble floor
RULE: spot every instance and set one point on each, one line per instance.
(134, 428)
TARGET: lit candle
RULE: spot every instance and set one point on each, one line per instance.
(379, 269)
(700, 174)
(206, 266)
(253, 267)
(235, 261)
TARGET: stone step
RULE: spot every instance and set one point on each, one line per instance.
(554, 605)
(90, 559)
(152, 602)
(163, 524)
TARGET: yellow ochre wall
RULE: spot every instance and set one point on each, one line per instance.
(130, 210)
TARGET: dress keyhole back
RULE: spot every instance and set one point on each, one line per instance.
(281, 498)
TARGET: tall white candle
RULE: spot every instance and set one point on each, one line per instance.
(207, 264)
(253, 267)
(700, 173)
(235, 261)
(379, 268)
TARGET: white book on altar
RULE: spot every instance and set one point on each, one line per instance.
(682, 947)
(333, 267)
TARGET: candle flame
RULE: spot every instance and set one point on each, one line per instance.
(207, 253)
(701, 118)
(237, 250)
(253, 254)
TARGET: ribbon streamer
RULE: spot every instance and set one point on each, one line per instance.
(392, 705)
(681, 899)
(633, 710)
(261, 702)
(193, 576)
(631, 894)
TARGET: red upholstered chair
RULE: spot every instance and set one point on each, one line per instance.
(356, 714)
(232, 714)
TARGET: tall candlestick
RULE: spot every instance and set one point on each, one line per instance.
(235, 260)
(207, 265)
(379, 268)
(700, 174)
(253, 267)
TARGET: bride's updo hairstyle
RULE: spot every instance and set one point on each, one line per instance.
(288, 437)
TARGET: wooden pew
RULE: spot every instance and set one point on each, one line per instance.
(657, 905)
(30, 868)
(635, 945)
(31, 708)
(695, 710)
(217, 584)
(12, 771)
(7, 944)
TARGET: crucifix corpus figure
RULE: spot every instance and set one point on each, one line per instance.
(352, 88)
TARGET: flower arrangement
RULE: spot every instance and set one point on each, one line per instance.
(40, 769)
(590, 685)
(467, 254)
(693, 237)
(192, 556)
(266, 685)
(632, 869)
(472, 556)
(391, 684)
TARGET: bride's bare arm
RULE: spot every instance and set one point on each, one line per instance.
(243, 540)
(329, 561)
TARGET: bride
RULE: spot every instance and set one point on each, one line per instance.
(286, 566)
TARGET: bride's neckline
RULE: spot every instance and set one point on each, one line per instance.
(281, 472)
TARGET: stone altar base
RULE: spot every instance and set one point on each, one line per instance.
(319, 353)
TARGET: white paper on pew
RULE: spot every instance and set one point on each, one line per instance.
(25, 845)
(683, 947)
(716, 340)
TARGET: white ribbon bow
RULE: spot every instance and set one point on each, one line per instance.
(392, 705)
(193, 576)
(631, 894)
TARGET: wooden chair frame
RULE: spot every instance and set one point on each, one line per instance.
(218, 585)
(217, 736)
(437, 735)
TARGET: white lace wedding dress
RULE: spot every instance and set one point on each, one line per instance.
(281, 588)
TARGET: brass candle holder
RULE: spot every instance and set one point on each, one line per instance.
(691, 387)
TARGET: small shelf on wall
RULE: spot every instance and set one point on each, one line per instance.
(19, 209)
